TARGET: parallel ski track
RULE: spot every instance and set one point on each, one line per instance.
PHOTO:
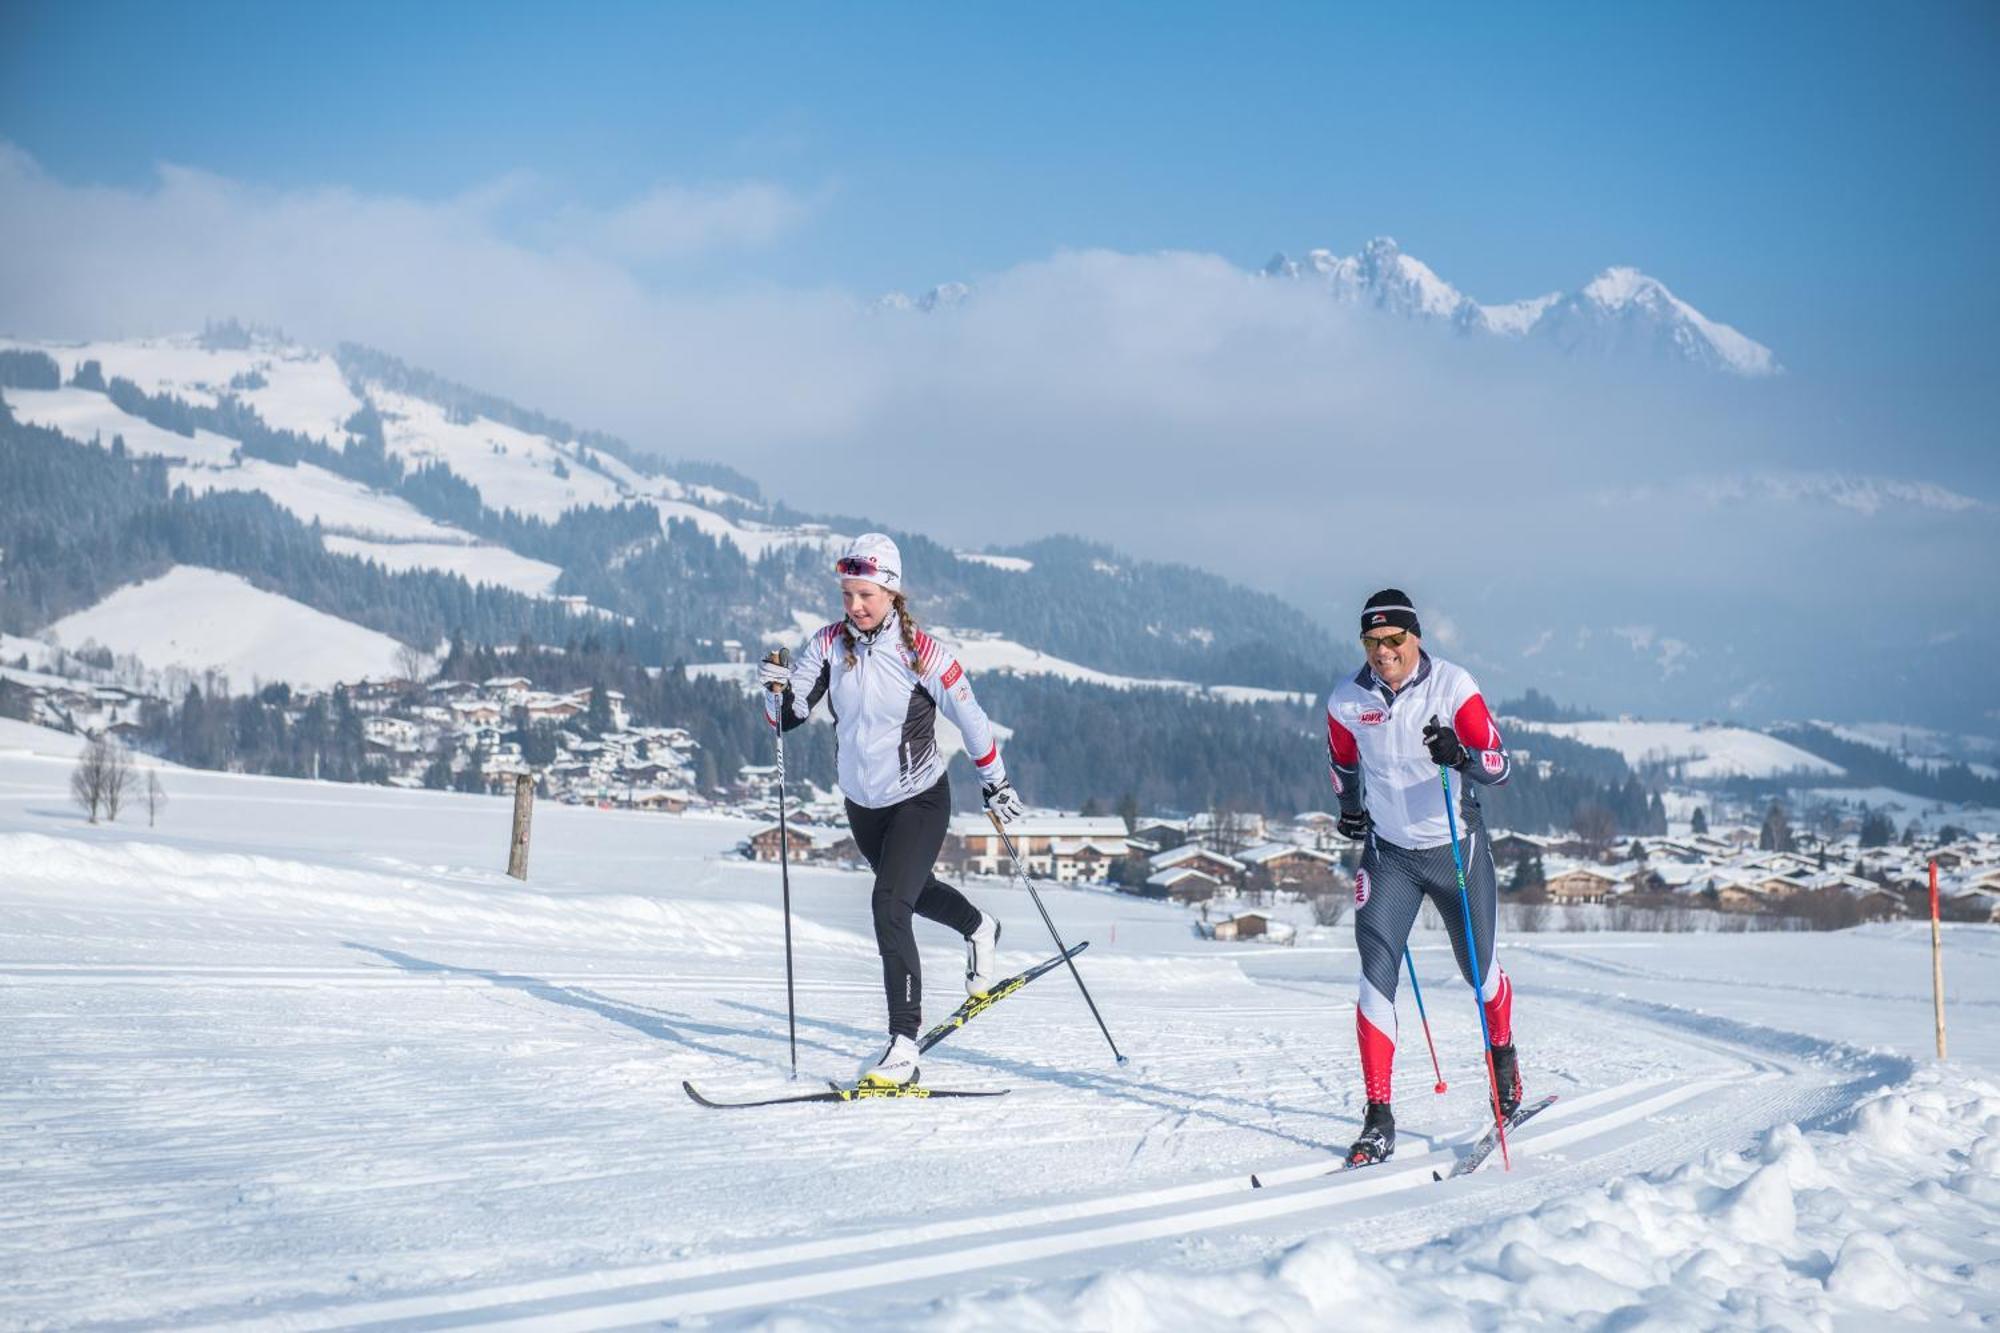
(1579, 1143)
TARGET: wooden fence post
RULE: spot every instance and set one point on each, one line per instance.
(1937, 965)
(524, 809)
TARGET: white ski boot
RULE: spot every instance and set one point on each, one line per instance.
(982, 952)
(896, 1069)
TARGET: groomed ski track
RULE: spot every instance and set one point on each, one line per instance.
(1588, 1138)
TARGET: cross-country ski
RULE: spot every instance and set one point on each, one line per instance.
(858, 1093)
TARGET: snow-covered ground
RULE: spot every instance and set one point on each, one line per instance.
(511, 468)
(1703, 752)
(314, 494)
(984, 652)
(200, 618)
(301, 1057)
(89, 416)
(482, 563)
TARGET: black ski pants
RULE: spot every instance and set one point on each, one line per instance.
(902, 842)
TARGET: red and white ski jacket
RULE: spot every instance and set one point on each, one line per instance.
(1375, 739)
(885, 711)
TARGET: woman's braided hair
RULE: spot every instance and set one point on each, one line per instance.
(905, 621)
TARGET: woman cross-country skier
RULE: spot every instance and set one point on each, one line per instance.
(1389, 728)
(884, 681)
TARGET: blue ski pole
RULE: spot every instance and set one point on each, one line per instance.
(1418, 991)
(1472, 953)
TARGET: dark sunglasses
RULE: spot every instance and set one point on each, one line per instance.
(1395, 640)
(857, 566)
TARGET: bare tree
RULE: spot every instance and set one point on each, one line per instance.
(156, 797)
(117, 776)
(1329, 908)
(98, 781)
(1594, 825)
(412, 663)
(86, 780)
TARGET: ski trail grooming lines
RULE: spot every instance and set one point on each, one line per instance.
(976, 1005)
(839, 1093)
(782, 657)
(1020, 870)
(1472, 953)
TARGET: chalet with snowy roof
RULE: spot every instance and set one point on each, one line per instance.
(1511, 847)
(805, 844)
(551, 707)
(1252, 926)
(508, 690)
(1288, 863)
(1580, 884)
(1066, 848)
(1192, 855)
(475, 712)
(1161, 832)
(1183, 884)
(670, 801)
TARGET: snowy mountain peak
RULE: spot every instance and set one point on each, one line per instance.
(1619, 286)
(1620, 311)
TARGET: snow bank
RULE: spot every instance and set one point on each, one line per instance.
(1890, 1214)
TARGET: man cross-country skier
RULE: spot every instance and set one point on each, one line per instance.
(1388, 729)
(885, 681)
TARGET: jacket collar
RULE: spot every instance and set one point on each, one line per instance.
(1368, 680)
(868, 638)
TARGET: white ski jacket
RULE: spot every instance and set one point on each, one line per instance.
(1375, 739)
(885, 711)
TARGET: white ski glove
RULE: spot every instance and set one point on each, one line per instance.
(774, 675)
(1003, 802)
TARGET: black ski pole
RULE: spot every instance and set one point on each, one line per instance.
(1061, 948)
(784, 658)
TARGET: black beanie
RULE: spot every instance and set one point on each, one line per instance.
(1391, 606)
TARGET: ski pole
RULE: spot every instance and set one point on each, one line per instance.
(1061, 948)
(784, 658)
(1472, 953)
(1418, 991)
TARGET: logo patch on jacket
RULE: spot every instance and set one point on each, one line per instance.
(1371, 717)
(1492, 760)
(952, 675)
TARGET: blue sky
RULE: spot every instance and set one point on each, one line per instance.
(664, 222)
(1818, 174)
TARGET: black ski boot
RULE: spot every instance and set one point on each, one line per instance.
(1378, 1137)
(1507, 1073)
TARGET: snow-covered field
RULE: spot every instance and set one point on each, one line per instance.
(199, 618)
(88, 416)
(482, 563)
(985, 652)
(314, 494)
(1703, 752)
(301, 1057)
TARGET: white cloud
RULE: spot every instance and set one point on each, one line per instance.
(1169, 403)
(676, 221)
(1858, 494)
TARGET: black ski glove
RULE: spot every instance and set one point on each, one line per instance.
(1354, 824)
(1443, 743)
